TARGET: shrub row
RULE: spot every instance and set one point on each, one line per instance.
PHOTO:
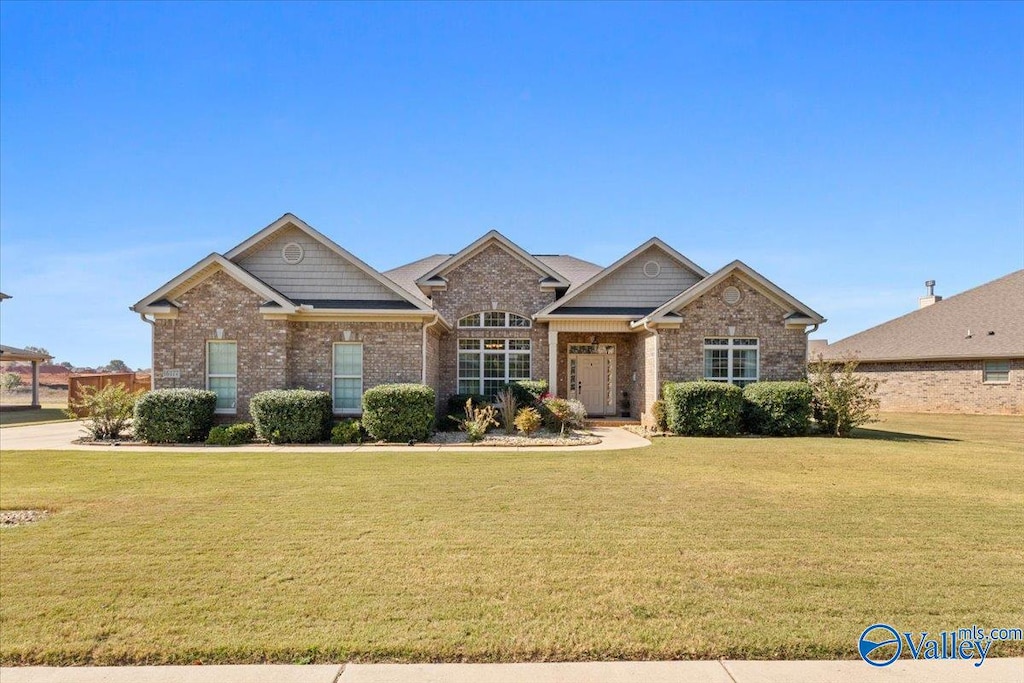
(174, 415)
(399, 412)
(706, 408)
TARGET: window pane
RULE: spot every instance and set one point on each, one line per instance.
(744, 364)
(716, 363)
(494, 365)
(494, 319)
(716, 341)
(469, 386)
(470, 321)
(744, 342)
(466, 344)
(519, 366)
(226, 389)
(494, 344)
(519, 344)
(469, 365)
(493, 386)
(347, 395)
(223, 358)
(517, 320)
(348, 359)
(997, 371)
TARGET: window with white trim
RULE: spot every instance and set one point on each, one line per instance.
(731, 359)
(487, 365)
(996, 372)
(494, 319)
(347, 388)
(222, 374)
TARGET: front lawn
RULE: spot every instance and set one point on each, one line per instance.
(692, 548)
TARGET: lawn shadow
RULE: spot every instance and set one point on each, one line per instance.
(902, 437)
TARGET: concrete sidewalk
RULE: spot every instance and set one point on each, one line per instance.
(726, 671)
(59, 436)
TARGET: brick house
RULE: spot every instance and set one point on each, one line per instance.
(290, 308)
(964, 354)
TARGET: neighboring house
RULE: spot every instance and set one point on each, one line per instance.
(964, 354)
(16, 355)
(290, 308)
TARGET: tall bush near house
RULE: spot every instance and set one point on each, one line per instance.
(174, 415)
(528, 391)
(399, 412)
(703, 408)
(842, 400)
(568, 413)
(777, 408)
(109, 410)
(292, 415)
(507, 405)
(477, 420)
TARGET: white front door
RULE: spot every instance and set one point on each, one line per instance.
(592, 371)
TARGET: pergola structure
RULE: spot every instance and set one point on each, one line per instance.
(10, 353)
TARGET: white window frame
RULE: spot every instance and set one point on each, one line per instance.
(335, 376)
(730, 347)
(985, 372)
(480, 317)
(481, 352)
(221, 375)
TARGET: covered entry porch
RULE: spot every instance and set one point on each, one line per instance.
(601, 363)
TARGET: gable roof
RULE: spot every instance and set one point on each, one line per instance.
(604, 273)
(158, 301)
(549, 276)
(799, 314)
(289, 220)
(940, 331)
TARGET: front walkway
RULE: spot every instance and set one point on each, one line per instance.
(724, 671)
(60, 435)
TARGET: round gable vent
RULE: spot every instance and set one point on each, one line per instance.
(292, 253)
(731, 295)
(652, 269)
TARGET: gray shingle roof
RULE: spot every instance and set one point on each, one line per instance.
(993, 313)
(362, 304)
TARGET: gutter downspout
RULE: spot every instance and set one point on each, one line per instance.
(423, 345)
(152, 351)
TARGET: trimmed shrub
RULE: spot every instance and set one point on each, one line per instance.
(174, 415)
(660, 418)
(777, 408)
(528, 391)
(399, 412)
(232, 435)
(292, 415)
(347, 431)
(703, 408)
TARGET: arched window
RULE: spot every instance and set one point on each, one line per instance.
(492, 319)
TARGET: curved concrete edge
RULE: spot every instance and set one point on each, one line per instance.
(58, 436)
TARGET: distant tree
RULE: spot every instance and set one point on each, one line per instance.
(117, 366)
(842, 399)
(66, 365)
(37, 349)
(10, 380)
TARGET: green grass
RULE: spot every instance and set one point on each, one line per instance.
(23, 417)
(692, 548)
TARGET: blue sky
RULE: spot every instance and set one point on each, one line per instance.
(847, 151)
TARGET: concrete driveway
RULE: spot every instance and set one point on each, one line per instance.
(60, 435)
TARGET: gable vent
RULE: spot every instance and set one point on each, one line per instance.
(292, 253)
(731, 295)
(652, 269)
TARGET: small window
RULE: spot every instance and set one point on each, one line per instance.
(348, 377)
(222, 374)
(494, 319)
(997, 372)
(732, 360)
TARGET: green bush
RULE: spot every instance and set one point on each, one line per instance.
(9, 381)
(660, 418)
(108, 410)
(292, 415)
(399, 412)
(777, 408)
(174, 415)
(566, 413)
(703, 408)
(528, 391)
(232, 435)
(347, 431)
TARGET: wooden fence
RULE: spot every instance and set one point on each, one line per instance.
(133, 382)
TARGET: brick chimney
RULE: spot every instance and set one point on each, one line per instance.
(931, 297)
